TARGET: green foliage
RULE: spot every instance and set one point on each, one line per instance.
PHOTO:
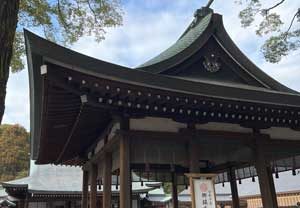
(16, 63)
(277, 46)
(14, 152)
(247, 15)
(281, 38)
(271, 23)
(64, 21)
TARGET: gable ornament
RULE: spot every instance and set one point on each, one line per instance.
(211, 63)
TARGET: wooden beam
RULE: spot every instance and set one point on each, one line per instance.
(208, 136)
(174, 190)
(107, 180)
(85, 189)
(201, 136)
(104, 135)
(221, 167)
(234, 190)
(93, 193)
(108, 147)
(265, 177)
(125, 172)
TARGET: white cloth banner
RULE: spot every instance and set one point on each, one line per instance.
(204, 191)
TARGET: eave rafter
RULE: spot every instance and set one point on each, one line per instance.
(66, 119)
(118, 97)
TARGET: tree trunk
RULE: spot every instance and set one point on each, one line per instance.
(8, 23)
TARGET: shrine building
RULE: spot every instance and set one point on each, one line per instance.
(200, 106)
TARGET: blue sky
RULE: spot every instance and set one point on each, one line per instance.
(149, 27)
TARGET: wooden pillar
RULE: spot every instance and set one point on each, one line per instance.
(234, 190)
(193, 150)
(21, 204)
(26, 203)
(93, 194)
(125, 172)
(107, 180)
(265, 178)
(193, 158)
(85, 189)
(174, 190)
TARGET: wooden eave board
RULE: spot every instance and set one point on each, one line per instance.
(90, 66)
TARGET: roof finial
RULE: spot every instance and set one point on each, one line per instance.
(209, 3)
(200, 13)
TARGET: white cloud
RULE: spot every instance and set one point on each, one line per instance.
(143, 35)
(17, 100)
(287, 71)
(150, 27)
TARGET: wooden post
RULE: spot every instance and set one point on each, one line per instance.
(107, 180)
(21, 204)
(125, 172)
(85, 189)
(93, 196)
(192, 188)
(193, 150)
(265, 178)
(174, 190)
(234, 190)
(193, 158)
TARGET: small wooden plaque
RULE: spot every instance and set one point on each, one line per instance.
(202, 188)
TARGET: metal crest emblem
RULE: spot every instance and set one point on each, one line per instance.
(211, 63)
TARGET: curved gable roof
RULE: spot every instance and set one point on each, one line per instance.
(208, 24)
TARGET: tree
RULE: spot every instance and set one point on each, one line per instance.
(62, 21)
(281, 38)
(14, 152)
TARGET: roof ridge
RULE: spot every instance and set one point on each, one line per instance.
(200, 23)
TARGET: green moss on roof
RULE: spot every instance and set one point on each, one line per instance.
(189, 36)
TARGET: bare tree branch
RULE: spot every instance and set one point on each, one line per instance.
(291, 24)
(92, 10)
(266, 11)
(61, 17)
